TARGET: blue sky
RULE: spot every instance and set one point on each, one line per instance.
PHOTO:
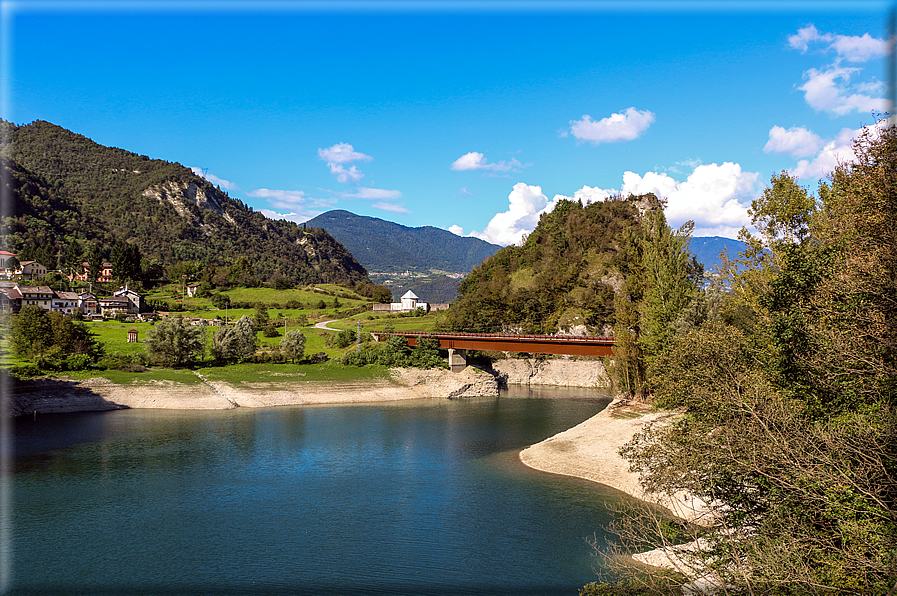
(468, 116)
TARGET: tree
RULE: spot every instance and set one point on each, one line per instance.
(52, 340)
(293, 345)
(261, 317)
(382, 295)
(658, 286)
(220, 301)
(74, 256)
(32, 332)
(789, 426)
(126, 261)
(175, 341)
(12, 263)
(235, 343)
(95, 261)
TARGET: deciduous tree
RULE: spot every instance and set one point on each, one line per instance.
(174, 341)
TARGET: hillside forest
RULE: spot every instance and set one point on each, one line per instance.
(784, 370)
(72, 200)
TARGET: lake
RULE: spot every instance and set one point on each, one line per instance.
(416, 497)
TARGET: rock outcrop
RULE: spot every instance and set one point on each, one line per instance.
(471, 382)
(557, 372)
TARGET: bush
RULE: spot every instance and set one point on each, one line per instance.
(270, 331)
(293, 304)
(25, 371)
(319, 358)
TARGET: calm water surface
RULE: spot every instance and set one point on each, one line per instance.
(420, 497)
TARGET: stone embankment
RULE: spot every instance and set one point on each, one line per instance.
(57, 395)
(559, 372)
(471, 382)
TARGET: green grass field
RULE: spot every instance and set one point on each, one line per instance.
(149, 377)
(235, 374)
(377, 322)
(114, 337)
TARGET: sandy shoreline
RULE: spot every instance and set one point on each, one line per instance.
(591, 450)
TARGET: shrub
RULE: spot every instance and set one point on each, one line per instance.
(25, 371)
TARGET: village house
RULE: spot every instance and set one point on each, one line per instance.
(10, 297)
(105, 275)
(65, 302)
(88, 304)
(136, 301)
(409, 302)
(31, 270)
(109, 307)
(191, 289)
(41, 296)
(5, 255)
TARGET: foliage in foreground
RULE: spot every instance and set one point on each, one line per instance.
(53, 341)
(789, 425)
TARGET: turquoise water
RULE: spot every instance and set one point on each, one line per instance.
(419, 497)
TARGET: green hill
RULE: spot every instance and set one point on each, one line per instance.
(66, 187)
(385, 246)
(565, 276)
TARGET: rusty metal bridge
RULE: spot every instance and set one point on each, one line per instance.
(458, 343)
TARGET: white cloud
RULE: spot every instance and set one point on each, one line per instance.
(342, 153)
(624, 126)
(525, 204)
(292, 216)
(343, 175)
(836, 151)
(392, 207)
(477, 161)
(295, 200)
(456, 230)
(214, 179)
(861, 49)
(806, 35)
(714, 196)
(372, 193)
(588, 194)
(853, 48)
(796, 141)
(830, 91)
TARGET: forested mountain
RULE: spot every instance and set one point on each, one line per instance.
(565, 276)
(67, 188)
(708, 248)
(382, 245)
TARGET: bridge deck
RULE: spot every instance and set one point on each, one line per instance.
(532, 344)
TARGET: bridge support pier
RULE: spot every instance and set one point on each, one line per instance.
(457, 359)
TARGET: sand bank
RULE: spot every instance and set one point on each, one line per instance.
(591, 450)
(58, 395)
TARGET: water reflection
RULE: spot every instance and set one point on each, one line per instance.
(421, 497)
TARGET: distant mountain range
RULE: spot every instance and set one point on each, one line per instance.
(384, 246)
(708, 248)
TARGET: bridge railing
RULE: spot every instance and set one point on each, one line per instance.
(499, 336)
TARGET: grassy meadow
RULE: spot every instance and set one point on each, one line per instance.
(114, 336)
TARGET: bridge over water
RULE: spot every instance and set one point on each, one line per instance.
(457, 344)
